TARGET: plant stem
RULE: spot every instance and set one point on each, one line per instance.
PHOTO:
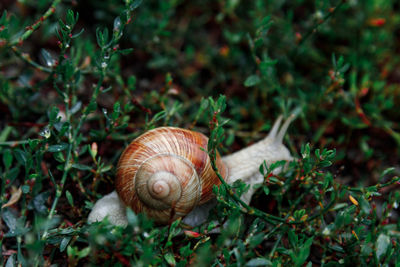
(14, 143)
(25, 57)
(72, 144)
(36, 25)
(331, 12)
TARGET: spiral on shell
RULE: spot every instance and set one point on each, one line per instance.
(165, 173)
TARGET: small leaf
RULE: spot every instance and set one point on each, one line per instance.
(364, 205)
(186, 251)
(84, 252)
(305, 151)
(304, 252)
(105, 168)
(69, 198)
(53, 114)
(91, 107)
(64, 243)
(117, 23)
(387, 171)
(57, 148)
(15, 196)
(259, 262)
(131, 217)
(191, 234)
(135, 4)
(81, 167)
(47, 58)
(77, 34)
(353, 200)
(255, 240)
(25, 189)
(7, 158)
(93, 150)
(10, 219)
(20, 156)
(339, 206)
(261, 169)
(170, 259)
(382, 244)
(266, 190)
(76, 107)
(11, 261)
(325, 163)
(39, 202)
(252, 80)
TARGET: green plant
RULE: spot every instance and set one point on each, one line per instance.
(79, 81)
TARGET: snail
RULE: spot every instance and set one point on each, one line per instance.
(166, 174)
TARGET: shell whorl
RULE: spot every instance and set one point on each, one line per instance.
(165, 173)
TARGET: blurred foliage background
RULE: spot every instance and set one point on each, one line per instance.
(80, 79)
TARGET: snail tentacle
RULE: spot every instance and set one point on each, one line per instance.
(245, 163)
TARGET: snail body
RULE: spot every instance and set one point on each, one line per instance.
(166, 174)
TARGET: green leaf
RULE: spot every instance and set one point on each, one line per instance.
(135, 4)
(20, 156)
(91, 107)
(174, 230)
(125, 51)
(11, 261)
(186, 251)
(84, 252)
(339, 206)
(303, 253)
(132, 218)
(39, 203)
(59, 156)
(53, 115)
(33, 143)
(324, 163)
(293, 239)
(7, 158)
(261, 169)
(364, 205)
(9, 218)
(266, 190)
(305, 151)
(252, 80)
(387, 171)
(117, 24)
(81, 167)
(25, 189)
(3, 18)
(132, 82)
(382, 245)
(116, 111)
(57, 148)
(76, 35)
(69, 198)
(259, 262)
(170, 259)
(70, 19)
(64, 243)
(255, 240)
(75, 108)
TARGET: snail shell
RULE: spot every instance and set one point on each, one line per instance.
(165, 173)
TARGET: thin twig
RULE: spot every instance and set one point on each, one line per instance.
(15, 143)
(26, 57)
(34, 26)
(331, 12)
